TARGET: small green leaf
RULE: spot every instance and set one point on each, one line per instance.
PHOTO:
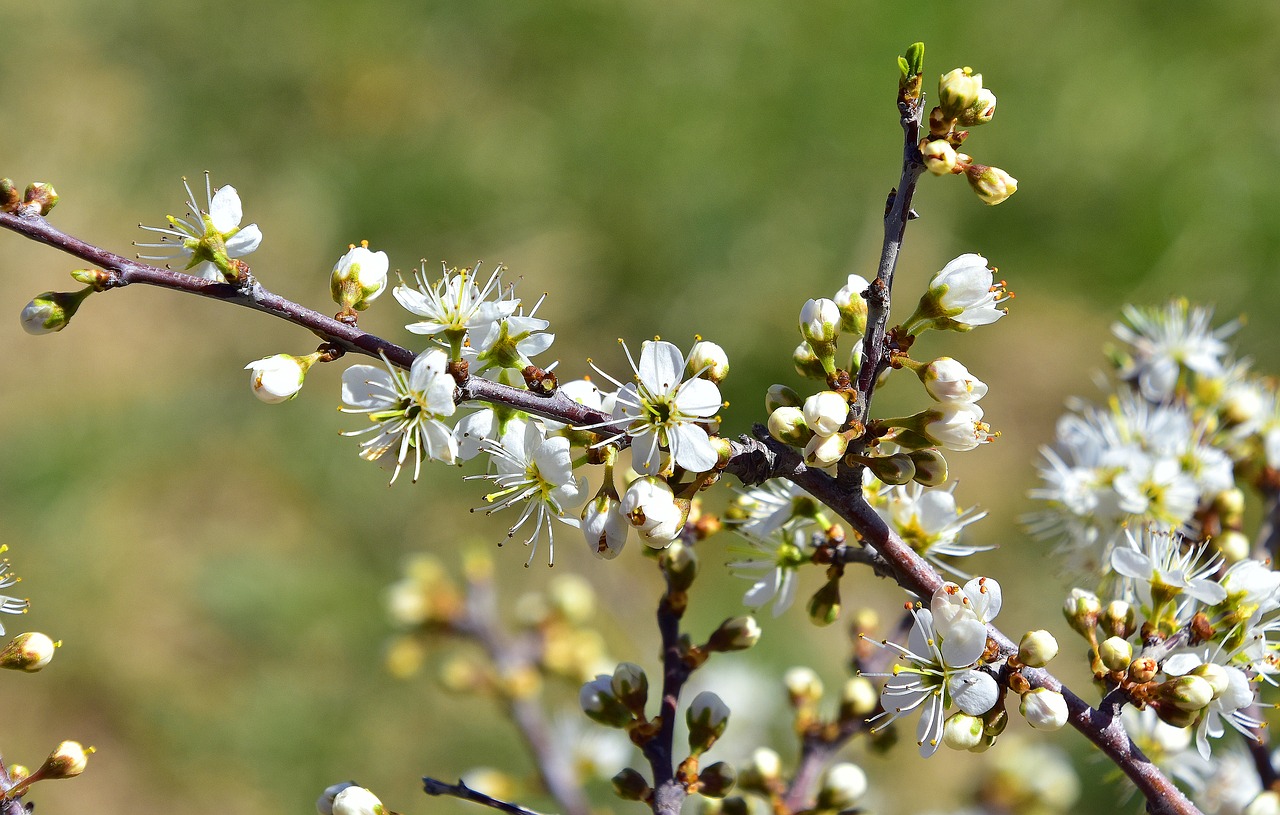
(915, 58)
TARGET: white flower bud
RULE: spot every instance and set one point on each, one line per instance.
(820, 322)
(51, 311)
(278, 378)
(982, 111)
(1044, 709)
(1216, 675)
(355, 800)
(939, 156)
(1115, 653)
(803, 685)
(825, 451)
(28, 652)
(858, 698)
(807, 364)
(948, 381)
(66, 761)
(765, 764)
(958, 91)
(842, 786)
(650, 506)
(599, 703)
(957, 427)
(324, 804)
(781, 396)
(853, 306)
(825, 412)
(962, 731)
(991, 184)
(1189, 692)
(1037, 648)
(709, 361)
(604, 526)
(788, 425)
(707, 718)
(358, 277)
(1081, 609)
(1266, 803)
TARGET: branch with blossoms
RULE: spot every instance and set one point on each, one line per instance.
(1141, 495)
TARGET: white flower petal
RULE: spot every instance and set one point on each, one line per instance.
(224, 210)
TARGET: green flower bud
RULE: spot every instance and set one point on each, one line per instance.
(51, 311)
(991, 184)
(680, 562)
(1037, 648)
(1081, 610)
(735, 634)
(630, 686)
(707, 718)
(717, 780)
(1116, 653)
(962, 731)
(787, 425)
(1119, 619)
(781, 396)
(600, 705)
(898, 468)
(630, 785)
(1190, 693)
(824, 606)
(852, 306)
(807, 363)
(931, 467)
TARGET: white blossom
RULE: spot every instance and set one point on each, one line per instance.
(455, 304)
(1158, 566)
(207, 238)
(1163, 342)
(771, 563)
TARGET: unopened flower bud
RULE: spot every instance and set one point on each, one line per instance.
(355, 800)
(962, 731)
(1119, 619)
(9, 196)
(824, 606)
(1232, 544)
(66, 761)
(27, 652)
(39, 198)
(858, 698)
(709, 361)
(939, 156)
(278, 378)
(707, 718)
(803, 686)
(825, 412)
(1044, 709)
(358, 277)
(807, 364)
(1189, 692)
(18, 772)
(680, 564)
(604, 526)
(930, 467)
(651, 507)
(958, 91)
(948, 381)
(1173, 715)
(781, 396)
(1037, 648)
(1081, 610)
(630, 785)
(763, 768)
(820, 323)
(1265, 803)
(717, 780)
(853, 306)
(324, 804)
(1116, 653)
(735, 634)
(787, 425)
(600, 705)
(51, 311)
(1216, 675)
(955, 426)
(630, 686)
(825, 451)
(982, 111)
(1143, 669)
(842, 786)
(991, 184)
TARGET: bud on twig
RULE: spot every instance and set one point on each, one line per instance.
(707, 718)
(28, 652)
(735, 634)
(51, 311)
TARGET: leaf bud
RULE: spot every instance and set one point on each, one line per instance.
(358, 277)
(1044, 709)
(939, 156)
(96, 278)
(39, 198)
(717, 780)
(707, 718)
(824, 606)
(630, 686)
(803, 686)
(991, 184)
(709, 361)
(787, 425)
(52, 310)
(825, 412)
(630, 785)
(781, 396)
(931, 467)
(735, 634)
(842, 786)
(9, 197)
(1081, 610)
(1189, 692)
(958, 91)
(1116, 653)
(598, 702)
(858, 698)
(27, 652)
(962, 731)
(1037, 648)
(853, 306)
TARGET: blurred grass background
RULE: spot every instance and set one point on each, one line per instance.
(215, 567)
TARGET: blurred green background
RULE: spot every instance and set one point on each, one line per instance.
(215, 566)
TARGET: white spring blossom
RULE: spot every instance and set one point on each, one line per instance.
(930, 521)
(455, 305)
(771, 562)
(206, 237)
(1165, 342)
(406, 410)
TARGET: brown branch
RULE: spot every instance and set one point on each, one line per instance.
(460, 790)
(1267, 545)
(669, 791)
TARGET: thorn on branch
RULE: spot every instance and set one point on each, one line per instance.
(460, 790)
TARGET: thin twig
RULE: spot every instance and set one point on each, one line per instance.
(460, 790)
(669, 791)
(1260, 750)
(1267, 546)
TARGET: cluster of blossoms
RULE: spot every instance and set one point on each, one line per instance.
(948, 664)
